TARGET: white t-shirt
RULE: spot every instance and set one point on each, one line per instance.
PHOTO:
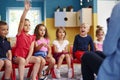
(59, 46)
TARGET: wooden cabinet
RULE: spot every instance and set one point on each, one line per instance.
(65, 19)
(73, 19)
(84, 16)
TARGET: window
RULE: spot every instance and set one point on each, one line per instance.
(13, 18)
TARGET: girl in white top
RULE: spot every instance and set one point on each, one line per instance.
(60, 46)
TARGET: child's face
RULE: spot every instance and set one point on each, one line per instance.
(84, 30)
(27, 26)
(42, 31)
(61, 34)
(100, 35)
(3, 30)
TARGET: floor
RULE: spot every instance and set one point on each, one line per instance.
(63, 69)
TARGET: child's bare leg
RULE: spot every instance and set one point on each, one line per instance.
(68, 60)
(51, 64)
(36, 61)
(42, 65)
(21, 64)
(8, 69)
(60, 60)
(1, 64)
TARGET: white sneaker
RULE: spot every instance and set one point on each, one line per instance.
(57, 73)
(70, 73)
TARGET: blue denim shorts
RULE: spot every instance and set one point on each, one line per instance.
(40, 53)
(3, 58)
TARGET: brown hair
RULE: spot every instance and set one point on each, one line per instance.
(3, 23)
(60, 28)
(36, 31)
(99, 28)
(27, 20)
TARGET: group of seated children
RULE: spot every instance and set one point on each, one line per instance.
(37, 50)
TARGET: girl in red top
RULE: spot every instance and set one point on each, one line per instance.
(25, 45)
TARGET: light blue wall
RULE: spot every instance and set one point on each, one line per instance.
(4, 4)
(51, 6)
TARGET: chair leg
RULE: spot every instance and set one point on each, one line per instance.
(13, 74)
(53, 73)
(29, 72)
(72, 66)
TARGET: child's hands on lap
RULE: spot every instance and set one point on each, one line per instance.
(27, 61)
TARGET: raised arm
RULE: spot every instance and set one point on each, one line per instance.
(22, 19)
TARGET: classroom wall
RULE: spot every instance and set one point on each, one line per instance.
(50, 9)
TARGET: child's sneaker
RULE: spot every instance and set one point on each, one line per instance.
(57, 73)
(70, 73)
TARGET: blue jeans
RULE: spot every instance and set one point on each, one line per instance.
(41, 53)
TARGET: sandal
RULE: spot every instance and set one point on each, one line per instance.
(46, 72)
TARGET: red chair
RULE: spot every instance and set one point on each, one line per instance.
(64, 62)
(75, 60)
(30, 66)
(14, 66)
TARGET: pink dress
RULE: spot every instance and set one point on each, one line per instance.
(43, 41)
(23, 43)
(99, 45)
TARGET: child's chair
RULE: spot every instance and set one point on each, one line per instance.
(64, 62)
(74, 59)
(14, 66)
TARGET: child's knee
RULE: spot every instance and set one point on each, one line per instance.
(37, 60)
(67, 56)
(1, 62)
(62, 56)
(22, 61)
(43, 61)
(53, 61)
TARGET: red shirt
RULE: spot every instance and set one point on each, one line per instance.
(23, 44)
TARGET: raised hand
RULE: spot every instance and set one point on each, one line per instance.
(27, 5)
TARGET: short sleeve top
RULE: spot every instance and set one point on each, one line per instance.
(4, 47)
(59, 46)
(23, 44)
(43, 48)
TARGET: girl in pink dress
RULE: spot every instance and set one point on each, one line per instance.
(43, 49)
(25, 46)
(100, 37)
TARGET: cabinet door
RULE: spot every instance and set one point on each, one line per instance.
(71, 19)
(86, 16)
(65, 19)
(59, 19)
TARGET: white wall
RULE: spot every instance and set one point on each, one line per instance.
(104, 11)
